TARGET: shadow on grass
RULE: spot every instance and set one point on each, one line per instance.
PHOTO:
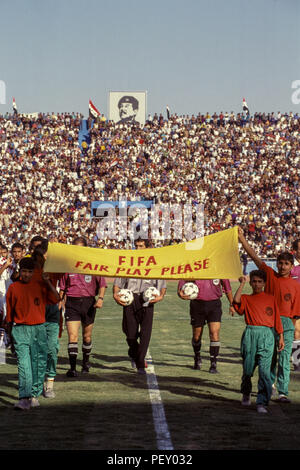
(63, 363)
(78, 426)
(129, 378)
(199, 414)
(6, 395)
(184, 386)
(193, 424)
(10, 359)
(223, 358)
(197, 384)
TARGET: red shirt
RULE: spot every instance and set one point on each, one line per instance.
(286, 291)
(54, 277)
(260, 310)
(26, 303)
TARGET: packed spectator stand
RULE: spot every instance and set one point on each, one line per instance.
(243, 170)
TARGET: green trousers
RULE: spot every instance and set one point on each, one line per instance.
(281, 368)
(52, 330)
(30, 342)
(257, 347)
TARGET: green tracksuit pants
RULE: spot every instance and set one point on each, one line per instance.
(52, 330)
(281, 369)
(30, 342)
(257, 347)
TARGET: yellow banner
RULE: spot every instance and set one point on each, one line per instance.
(215, 256)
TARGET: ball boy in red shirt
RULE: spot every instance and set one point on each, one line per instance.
(257, 346)
(26, 301)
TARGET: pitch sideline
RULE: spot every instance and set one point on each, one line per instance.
(163, 436)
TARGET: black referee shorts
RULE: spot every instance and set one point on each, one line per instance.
(80, 309)
(205, 311)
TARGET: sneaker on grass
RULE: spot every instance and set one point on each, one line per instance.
(283, 399)
(34, 402)
(48, 391)
(132, 361)
(246, 400)
(23, 404)
(261, 409)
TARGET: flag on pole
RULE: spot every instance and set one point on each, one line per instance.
(245, 107)
(15, 109)
(114, 162)
(93, 111)
(168, 112)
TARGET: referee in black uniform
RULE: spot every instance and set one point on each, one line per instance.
(137, 318)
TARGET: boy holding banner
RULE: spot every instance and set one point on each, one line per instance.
(286, 291)
(262, 316)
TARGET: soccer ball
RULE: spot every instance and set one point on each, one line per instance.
(150, 293)
(190, 289)
(126, 296)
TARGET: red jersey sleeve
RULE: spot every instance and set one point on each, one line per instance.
(270, 287)
(51, 298)
(239, 307)
(277, 321)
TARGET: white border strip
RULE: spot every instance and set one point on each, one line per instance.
(163, 436)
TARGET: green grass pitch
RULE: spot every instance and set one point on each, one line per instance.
(110, 407)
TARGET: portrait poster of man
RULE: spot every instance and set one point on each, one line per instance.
(127, 107)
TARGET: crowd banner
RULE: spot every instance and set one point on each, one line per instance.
(214, 256)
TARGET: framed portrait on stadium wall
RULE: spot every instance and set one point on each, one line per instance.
(127, 107)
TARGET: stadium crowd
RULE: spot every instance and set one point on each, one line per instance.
(243, 170)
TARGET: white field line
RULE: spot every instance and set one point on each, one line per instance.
(163, 436)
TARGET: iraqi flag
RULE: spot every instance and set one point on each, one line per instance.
(168, 112)
(113, 163)
(93, 111)
(245, 106)
(15, 109)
